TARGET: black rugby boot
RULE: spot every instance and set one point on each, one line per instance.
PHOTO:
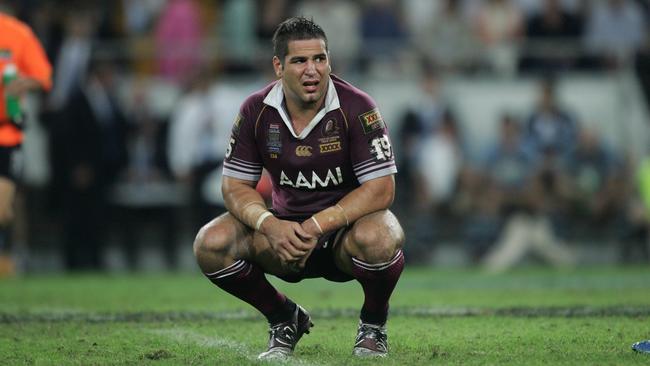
(284, 336)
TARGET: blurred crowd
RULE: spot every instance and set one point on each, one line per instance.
(132, 158)
(546, 181)
(174, 37)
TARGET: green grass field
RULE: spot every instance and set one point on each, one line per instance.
(443, 317)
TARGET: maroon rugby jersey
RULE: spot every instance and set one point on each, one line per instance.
(345, 145)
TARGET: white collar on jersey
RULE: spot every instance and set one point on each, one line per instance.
(276, 96)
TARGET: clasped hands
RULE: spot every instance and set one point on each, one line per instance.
(293, 242)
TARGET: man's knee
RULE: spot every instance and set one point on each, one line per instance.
(215, 239)
(376, 238)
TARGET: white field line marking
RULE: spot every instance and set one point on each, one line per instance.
(188, 336)
(81, 315)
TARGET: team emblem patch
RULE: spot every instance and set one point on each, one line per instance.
(303, 150)
(330, 132)
(371, 121)
(273, 142)
(330, 128)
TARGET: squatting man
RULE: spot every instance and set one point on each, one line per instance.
(327, 150)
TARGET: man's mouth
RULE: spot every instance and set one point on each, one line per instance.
(310, 86)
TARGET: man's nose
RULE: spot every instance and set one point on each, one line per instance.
(311, 67)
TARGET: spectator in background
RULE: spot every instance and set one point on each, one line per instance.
(269, 14)
(139, 16)
(552, 34)
(448, 40)
(551, 135)
(422, 119)
(179, 37)
(530, 7)
(383, 35)
(237, 30)
(506, 173)
(145, 195)
(616, 30)
(46, 20)
(340, 20)
(138, 20)
(596, 179)
(440, 181)
(550, 129)
(528, 226)
(145, 141)
(439, 166)
(90, 153)
(421, 122)
(72, 58)
(419, 14)
(70, 72)
(499, 27)
(198, 139)
(21, 54)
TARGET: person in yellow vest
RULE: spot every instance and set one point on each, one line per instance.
(25, 67)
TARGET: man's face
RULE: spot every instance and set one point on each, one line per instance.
(304, 72)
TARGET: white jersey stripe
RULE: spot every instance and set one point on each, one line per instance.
(235, 174)
(373, 167)
(242, 168)
(246, 163)
(358, 165)
(380, 173)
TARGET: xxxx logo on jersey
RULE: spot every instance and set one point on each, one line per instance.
(330, 147)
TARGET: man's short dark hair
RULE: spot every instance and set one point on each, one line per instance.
(292, 29)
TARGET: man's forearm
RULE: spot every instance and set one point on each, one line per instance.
(245, 203)
(370, 197)
(22, 85)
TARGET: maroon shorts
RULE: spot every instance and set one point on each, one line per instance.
(320, 263)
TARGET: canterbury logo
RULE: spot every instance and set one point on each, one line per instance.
(303, 150)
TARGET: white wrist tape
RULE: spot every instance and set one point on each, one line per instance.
(261, 219)
(347, 221)
(317, 225)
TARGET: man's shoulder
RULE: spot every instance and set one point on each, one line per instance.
(14, 25)
(351, 96)
(255, 101)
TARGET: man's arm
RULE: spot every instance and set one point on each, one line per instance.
(21, 85)
(373, 195)
(287, 238)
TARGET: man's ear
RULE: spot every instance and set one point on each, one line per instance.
(277, 66)
(329, 62)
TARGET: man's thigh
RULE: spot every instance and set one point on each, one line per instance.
(382, 225)
(246, 243)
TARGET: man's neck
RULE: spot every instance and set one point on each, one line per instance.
(301, 114)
